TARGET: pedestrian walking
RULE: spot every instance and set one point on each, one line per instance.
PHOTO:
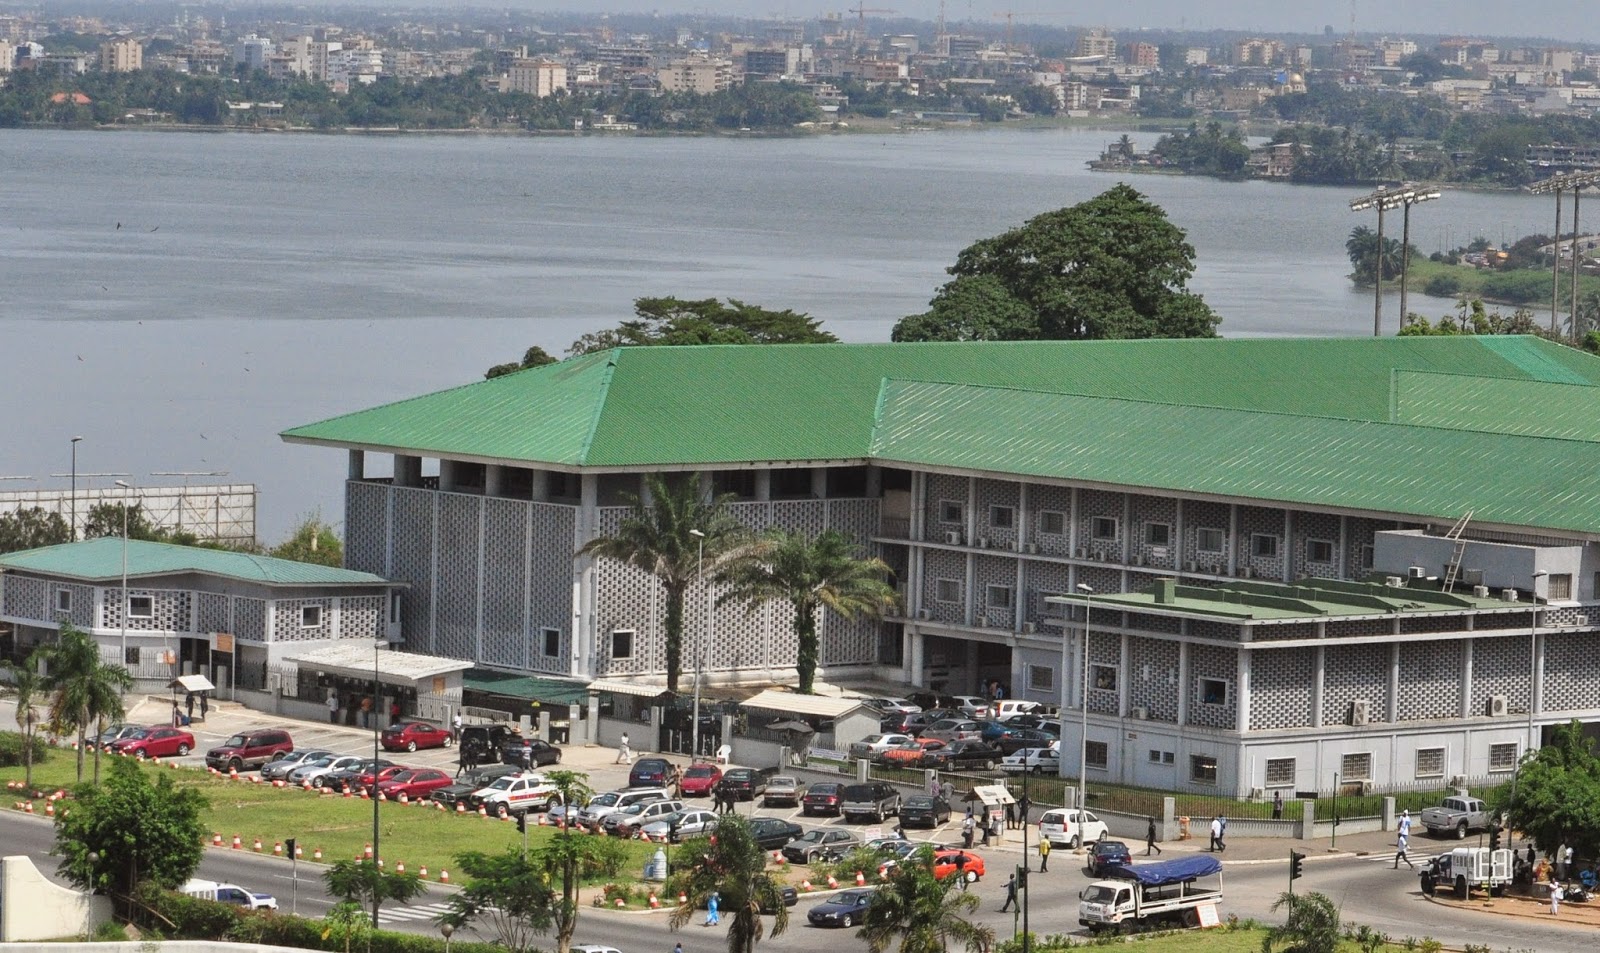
(712, 916)
(1400, 852)
(188, 704)
(987, 834)
(961, 870)
(1011, 893)
(1222, 833)
(994, 826)
(1011, 815)
(675, 781)
(948, 790)
(205, 705)
(1024, 806)
(1277, 805)
(1556, 896)
(1566, 863)
(933, 786)
(366, 711)
(966, 832)
(333, 707)
(1044, 854)
(455, 729)
(1150, 838)
(394, 712)
(1216, 834)
(1405, 822)
(624, 755)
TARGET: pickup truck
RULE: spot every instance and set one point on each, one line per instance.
(1458, 815)
(1145, 895)
(1467, 867)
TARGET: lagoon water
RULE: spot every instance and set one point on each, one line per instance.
(178, 299)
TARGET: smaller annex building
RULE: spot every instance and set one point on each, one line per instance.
(186, 610)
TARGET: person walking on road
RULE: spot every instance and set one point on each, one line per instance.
(1556, 897)
(1400, 851)
(455, 729)
(624, 754)
(1044, 854)
(333, 707)
(188, 705)
(713, 917)
(205, 705)
(1011, 893)
(1216, 834)
(966, 832)
(1150, 838)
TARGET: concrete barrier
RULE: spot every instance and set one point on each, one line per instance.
(32, 907)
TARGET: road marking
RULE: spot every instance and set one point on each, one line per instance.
(426, 911)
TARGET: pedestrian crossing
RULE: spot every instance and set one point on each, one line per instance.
(1386, 856)
(423, 911)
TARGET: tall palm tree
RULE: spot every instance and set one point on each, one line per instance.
(733, 866)
(809, 574)
(29, 684)
(925, 913)
(85, 691)
(657, 538)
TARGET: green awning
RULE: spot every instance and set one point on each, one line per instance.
(549, 691)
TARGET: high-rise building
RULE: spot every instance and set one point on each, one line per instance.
(535, 77)
(121, 56)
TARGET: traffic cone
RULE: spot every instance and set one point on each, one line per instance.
(216, 840)
(363, 794)
(833, 883)
(382, 796)
(805, 885)
(257, 847)
(50, 809)
(299, 851)
(173, 765)
(483, 811)
(305, 785)
(369, 852)
(277, 849)
(621, 903)
(316, 854)
(654, 903)
(400, 868)
(255, 779)
(423, 873)
(347, 793)
(461, 807)
(27, 807)
(683, 898)
(403, 798)
(543, 820)
(439, 805)
(238, 842)
(444, 876)
(380, 863)
(861, 879)
(277, 782)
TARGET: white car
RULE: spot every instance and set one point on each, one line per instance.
(230, 893)
(1067, 827)
(282, 767)
(626, 821)
(894, 706)
(513, 794)
(692, 822)
(317, 771)
(873, 745)
(974, 706)
(1033, 761)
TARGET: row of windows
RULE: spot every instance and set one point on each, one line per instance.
(1357, 766)
(1041, 678)
(144, 607)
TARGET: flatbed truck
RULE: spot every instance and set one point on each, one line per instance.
(1149, 895)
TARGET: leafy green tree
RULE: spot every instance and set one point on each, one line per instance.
(534, 356)
(1206, 151)
(144, 829)
(367, 886)
(85, 691)
(656, 537)
(105, 519)
(1473, 319)
(506, 892)
(1111, 267)
(349, 922)
(1362, 247)
(674, 321)
(809, 574)
(30, 528)
(29, 685)
(1556, 797)
(1312, 925)
(923, 913)
(734, 867)
(979, 308)
(566, 859)
(313, 541)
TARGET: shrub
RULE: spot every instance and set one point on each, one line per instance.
(1443, 286)
(1518, 287)
(11, 750)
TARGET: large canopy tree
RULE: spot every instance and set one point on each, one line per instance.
(809, 574)
(85, 691)
(1556, 798)
(658, 537)
(1111, 267)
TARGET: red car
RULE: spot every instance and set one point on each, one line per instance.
(411, 735)
(700, 779)
(154, 743)
(968, 864)
(414, 783)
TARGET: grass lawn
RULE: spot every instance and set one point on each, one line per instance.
(340, 827)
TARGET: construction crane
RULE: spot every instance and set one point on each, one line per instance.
(1009, 15)
(861, 10)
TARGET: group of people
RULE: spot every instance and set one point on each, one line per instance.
(1219, 831)
(364, 707)
(184, 718)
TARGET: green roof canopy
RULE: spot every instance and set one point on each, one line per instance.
(552, 691)
(100, 560)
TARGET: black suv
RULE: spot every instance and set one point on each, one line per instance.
(744, 784)
(874, 800)
(964, 754)
(771, 833)
(483, 744)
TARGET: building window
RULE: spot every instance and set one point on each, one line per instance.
(130, 655)
(1053, 522)
(1213, 691)
(1319, 551)
(1263, 546)
(1210, 540)
(999, 597)
(946, 590)
(551, 642)
(1503, 758)
(1155, 756)
(622, 643)
(1430, 763)
(1280, 773)
(1041, 678)
(1103, 677)
(1157, 534)
(1095, 754)
(1002, 517)
(63, 600)
(1366, 556)
(1202, 769)
(1356, 767)
(141, 607)
(1560, 587)
(1103, 527)
(310, 617)
(951, 511)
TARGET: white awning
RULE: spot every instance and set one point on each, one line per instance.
(628, 688)
(361, 659)
(193, 683)
(789, 703)
(991, 795)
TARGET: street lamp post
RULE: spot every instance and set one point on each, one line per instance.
(1533, 649)
(1083, 739)
(700, 570)
(72, 528)
(123, 615)
(377, 686)
(88, 899)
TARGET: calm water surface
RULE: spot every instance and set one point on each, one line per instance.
(259, 282)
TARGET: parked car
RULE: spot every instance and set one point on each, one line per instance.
(902, 706)
(973, 706)
(820, 844)
(414, 783)
(700, 779)
(674, 827)
(873, 745)
(783, 789)
(411, 735)
(530, 753)
(954, 729)
(869, 800)
(278, 769)
(964, 755)
(229, 893)
(626, 821)
(483, 743)
(514, 794)
(154, 743)
(649, 773)
(892, 850)
(316, 772)
(1015, 739)
(772, 833)
(923, 810)
(916, 724)
(911, 754)
(1033, 761)
(249, 749)
(821, 798)
(1456, 816)
(964, 863)
(1064, 827)
(361, 776)
(745, 784)
(846, 909)
(115, 732)
(1030, 719)
(470, 781)
(1011, 707)
(1106, 854)
(603, 804)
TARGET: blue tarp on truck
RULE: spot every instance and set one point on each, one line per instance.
(1166, 872)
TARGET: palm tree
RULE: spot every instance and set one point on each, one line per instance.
(1125, 147)
(809, 574)
(657, 538)
(1362, 247)
(29, 684)
(926, 914)
(734, 867)
(85, 690)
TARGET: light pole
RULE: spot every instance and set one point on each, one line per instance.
(377, 686)
(72, 528)
(1379, 201)
(1533, 648)
(1083, 740)
(446, 930)
(123, 615)
(88, 900)
(700, 570)
(1408, 198)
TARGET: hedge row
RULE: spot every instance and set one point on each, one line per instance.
(11, 750)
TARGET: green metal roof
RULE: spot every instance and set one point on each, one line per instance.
(552, 691)
(1427, 472)
(1307, 599)
(688, 406)
(1536, 408)
(100, 560)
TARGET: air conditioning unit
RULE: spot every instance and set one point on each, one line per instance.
(1497, 706)
(1394, 582)
(925, 614)
(1141, 713)
(1246, 572)
(953, 537)
(1257, 794)
(1030, 628)
(1082, 552)
(1580, 620)
(1032, 549)
(1480, 592)
(1416, 572)
(1191, 566)
(1360, 712)
(1509, 595)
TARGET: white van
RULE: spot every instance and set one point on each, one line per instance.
(230, 893)
(1063, 827)
(1006, 707)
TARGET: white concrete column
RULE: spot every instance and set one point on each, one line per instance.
(1466, 677)
(1233, 539)
(447, 475)
(1183, 683)
(918, 657)
(1242, 693)
(494, 479)
(819, 483)
(1124, 676)
(763, 486)
(1319, 670)
(874, 487)
(356, 465)
(971, 530)
(539, 486)
(1288, 546)
(1393, 716)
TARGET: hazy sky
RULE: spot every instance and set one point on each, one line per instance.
(1572, 20)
